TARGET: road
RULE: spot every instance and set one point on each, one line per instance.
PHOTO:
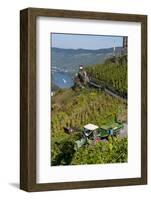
(123, 132)
(107, 90)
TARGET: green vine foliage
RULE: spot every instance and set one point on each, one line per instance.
(83, 107)
(76, 108)
(113, 74)
(114, 151)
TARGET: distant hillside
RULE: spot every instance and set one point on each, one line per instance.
(78, 51)
(70, 59)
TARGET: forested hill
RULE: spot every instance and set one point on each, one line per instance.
(77, 51)
(70, 59)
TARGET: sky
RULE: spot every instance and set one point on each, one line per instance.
(76, 41)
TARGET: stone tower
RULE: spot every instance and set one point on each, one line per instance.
(124, 42)
(125, 45)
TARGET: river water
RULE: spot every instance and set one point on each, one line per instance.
(62, 79)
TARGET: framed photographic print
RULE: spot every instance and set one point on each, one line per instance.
(83, 93)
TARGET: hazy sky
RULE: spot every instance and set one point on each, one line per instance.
(76, 41)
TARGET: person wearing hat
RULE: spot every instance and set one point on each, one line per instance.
(83, 75)
(81, 78)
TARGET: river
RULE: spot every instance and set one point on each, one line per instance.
(62, 79)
